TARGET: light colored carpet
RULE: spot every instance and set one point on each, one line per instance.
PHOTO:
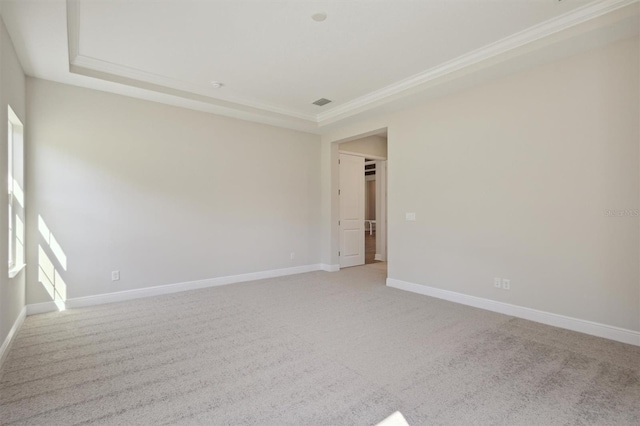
(312, 349)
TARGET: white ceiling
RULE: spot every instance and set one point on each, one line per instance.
(273, 59)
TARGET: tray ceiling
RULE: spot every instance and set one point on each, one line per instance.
(272, 58)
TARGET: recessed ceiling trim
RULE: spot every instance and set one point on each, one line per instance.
(218, 106)
(86, 65)
(81, 63)
(530, 35)
(73, 29)
(249, 109)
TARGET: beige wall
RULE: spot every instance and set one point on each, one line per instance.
(163, 194)
(375, 146)
(512, 179)
(12, 92)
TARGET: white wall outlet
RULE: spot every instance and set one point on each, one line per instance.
(115, 275)
(410, 217)
(497, 283)
(506, 284)
(293, 255)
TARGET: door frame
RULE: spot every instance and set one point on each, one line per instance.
(381, 210)
(381, 202)
(333, 156)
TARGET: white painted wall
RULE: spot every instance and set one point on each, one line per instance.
(12, 92)
(163, 194)
(512, 179)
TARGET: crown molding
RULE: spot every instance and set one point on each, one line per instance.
(93, 65)
(117, 73)
(270, 114)
(515, 41)
(73, 28)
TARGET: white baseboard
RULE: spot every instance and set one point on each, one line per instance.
(377, 257)
(4, 349)
(121, 296)
(41, 308)
(583, 326)
(329, 268)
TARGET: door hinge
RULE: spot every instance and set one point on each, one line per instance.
(338, 253)
(338, 192)
(338, 223)
(338, 161)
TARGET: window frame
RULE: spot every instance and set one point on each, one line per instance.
(15, 259)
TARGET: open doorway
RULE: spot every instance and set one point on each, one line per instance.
(362, 200)
(375, 210)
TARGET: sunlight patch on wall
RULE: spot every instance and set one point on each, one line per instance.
(52, 242)
(18, 193)
(48, 272)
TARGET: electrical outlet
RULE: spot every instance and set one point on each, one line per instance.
(293, 255)
(506, 284)
(410, 217)
(115, 275)
(497, 283)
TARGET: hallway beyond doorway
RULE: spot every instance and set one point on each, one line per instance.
(369, 247)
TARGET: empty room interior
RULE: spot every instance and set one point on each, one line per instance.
(320, 212)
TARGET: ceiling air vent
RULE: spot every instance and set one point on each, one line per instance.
(321, 102)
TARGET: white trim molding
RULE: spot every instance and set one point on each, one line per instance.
(4, 349)
(15, 270)
(41, 308)
(236, 107)
(252, 110)
(121, 296)
(330, 268)
(530, 35)
(575, 324)
(359, 154)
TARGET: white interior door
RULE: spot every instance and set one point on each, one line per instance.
(351, 210)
